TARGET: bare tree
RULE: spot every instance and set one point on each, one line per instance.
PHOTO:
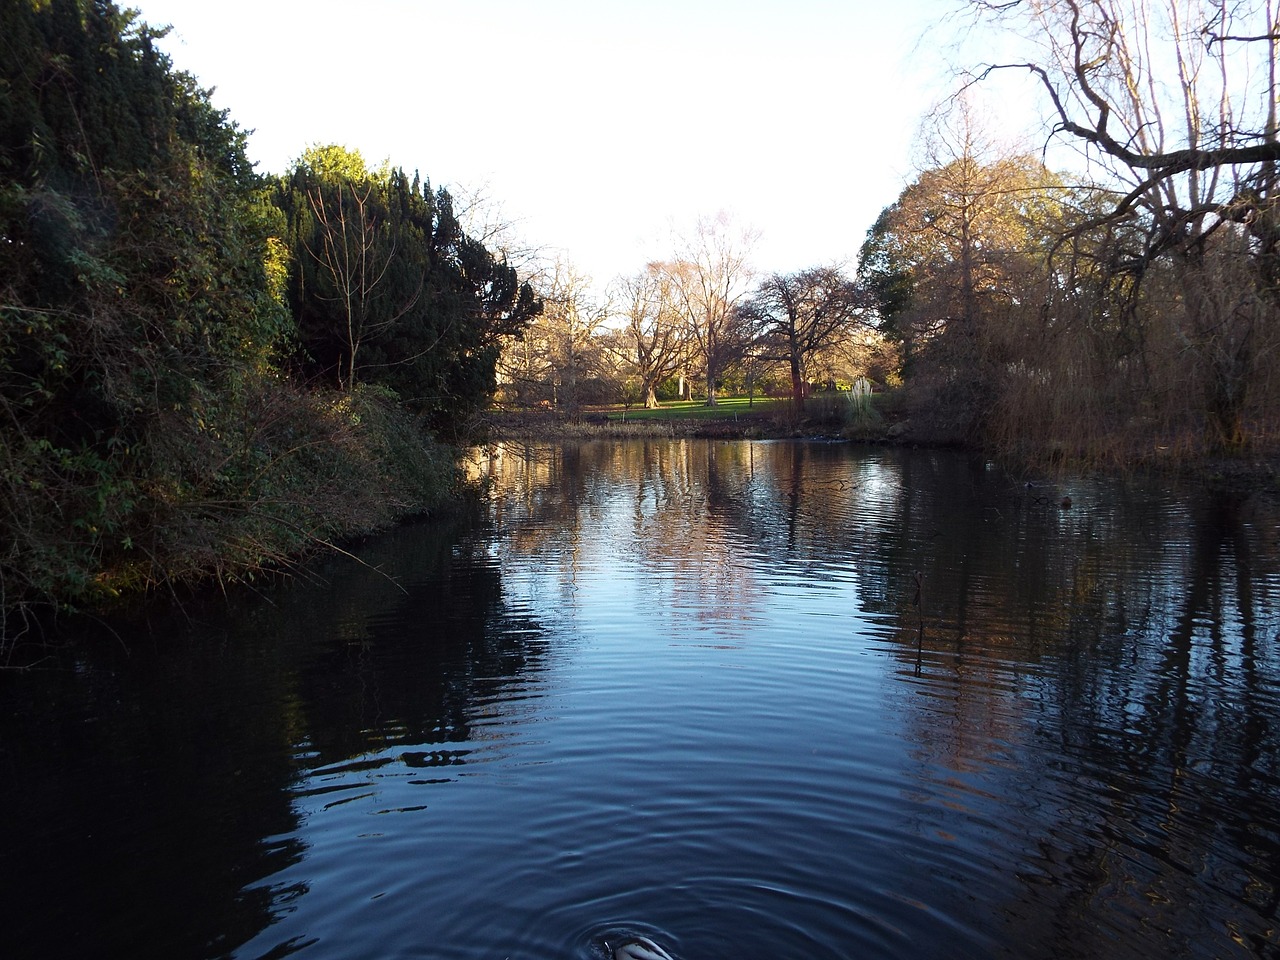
(354, 256)
(568, 324)
(486, 219)
(652, 336)
(799, 314)
(546, 362)
(1174, 104)
(526, 372)
(709, 278)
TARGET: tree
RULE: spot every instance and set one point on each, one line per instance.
(387, 288)
(1193, 161)
(651, 339)
(485, 218)
(709, 278)
(953, 268)
(135, 307)
(352, 248)
(572, 317)
(885, 275)
(557, 360)
(800, 314)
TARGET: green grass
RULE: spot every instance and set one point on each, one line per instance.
(726, 408)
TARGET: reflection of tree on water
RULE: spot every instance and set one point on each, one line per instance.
(1112, 664)
(170, 772)
(1127, 634)
(141, 793)
(658, 501)
(1184, 699)
(422, 642)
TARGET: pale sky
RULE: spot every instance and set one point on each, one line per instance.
(600, 125)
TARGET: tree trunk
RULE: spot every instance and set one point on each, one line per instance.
(797, 383)
(1223, 345)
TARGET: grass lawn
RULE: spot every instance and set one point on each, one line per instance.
(726, 408)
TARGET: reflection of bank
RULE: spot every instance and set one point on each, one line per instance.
(408, 666)
(420, 639)
(146, 794)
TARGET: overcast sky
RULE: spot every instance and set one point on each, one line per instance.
(600, 125)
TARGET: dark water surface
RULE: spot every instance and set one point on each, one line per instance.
(689, 689)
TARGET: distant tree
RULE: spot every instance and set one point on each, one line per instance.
(570, 318)
(651, 338)
(797, 315)
(709, 277)
(525, 368)
(557, 360)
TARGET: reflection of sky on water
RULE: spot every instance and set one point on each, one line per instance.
(686, 688)
(707, 700)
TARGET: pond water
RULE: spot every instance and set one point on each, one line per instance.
(754, 700)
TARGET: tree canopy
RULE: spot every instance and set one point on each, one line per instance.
(157, 296)
(386, 287)
(797, 315)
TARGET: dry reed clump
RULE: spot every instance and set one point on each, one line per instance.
(1183, 371)
(848, 414)
(548, 426)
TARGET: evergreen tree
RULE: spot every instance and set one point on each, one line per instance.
(388, 289)
(133, 295)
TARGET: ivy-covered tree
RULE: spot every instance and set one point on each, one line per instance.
(133, 288)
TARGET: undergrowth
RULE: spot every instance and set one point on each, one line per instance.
(223, 490)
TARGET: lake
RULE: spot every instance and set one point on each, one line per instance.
(750, 699)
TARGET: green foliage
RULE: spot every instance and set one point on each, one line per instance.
(154, 293)
(134, 301)
(884, 271)
(387, 289)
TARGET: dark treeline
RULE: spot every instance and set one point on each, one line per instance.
(385, 287)
(204, 370)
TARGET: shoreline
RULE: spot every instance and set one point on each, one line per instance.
(1257, 470)
(1247, 474)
